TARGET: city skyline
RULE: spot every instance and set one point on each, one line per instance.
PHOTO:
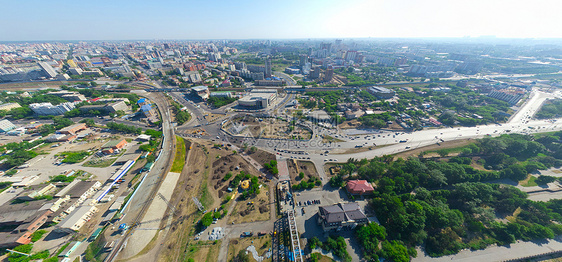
(128, 20)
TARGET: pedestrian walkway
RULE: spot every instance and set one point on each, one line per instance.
(283, 169)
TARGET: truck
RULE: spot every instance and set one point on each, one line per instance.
(262, 233)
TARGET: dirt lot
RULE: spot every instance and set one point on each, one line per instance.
(232, 163)
(262, 244)
(203, 178)
(448, 144)
(177, 243)
(350, 124)
(261, 156)
(297, 166)
(271, 128)
(203, 251)
(244, 212)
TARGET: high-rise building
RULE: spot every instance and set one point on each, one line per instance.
(303, 59)
(314, 73)
(329, 74)
(268, 67)
(350, 55)
(215, 57)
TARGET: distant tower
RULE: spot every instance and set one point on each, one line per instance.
(329, 74)
(302, 60)
(268, 67)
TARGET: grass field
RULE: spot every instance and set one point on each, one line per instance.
(530, 181)
(179, 160)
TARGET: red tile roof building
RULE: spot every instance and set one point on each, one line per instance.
(359, 187)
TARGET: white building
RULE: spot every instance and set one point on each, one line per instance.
(76, 219)
(6, 126)
(258, 98)
(49, 109)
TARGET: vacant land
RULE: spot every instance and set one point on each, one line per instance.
(179, 159)
(262, 245)
(177, 245)
(433, 149)
(203, 251)
(252, 209)
(261, 156)
(296, 167)
(204, 178)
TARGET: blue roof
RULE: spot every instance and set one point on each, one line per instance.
(141, 100)
(146, 108)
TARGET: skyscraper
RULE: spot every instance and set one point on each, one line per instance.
(268, 67)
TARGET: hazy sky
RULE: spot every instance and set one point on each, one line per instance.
(244, 19)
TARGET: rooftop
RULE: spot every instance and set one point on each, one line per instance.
(341, 212)
(112, 143)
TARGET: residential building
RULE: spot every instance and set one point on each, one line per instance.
(193, 77)
(268, 68)
(341, 215)
(314, 73)
(329, 74)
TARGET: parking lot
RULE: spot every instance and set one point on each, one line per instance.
(307, 221)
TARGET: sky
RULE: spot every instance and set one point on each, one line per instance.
(28, 20)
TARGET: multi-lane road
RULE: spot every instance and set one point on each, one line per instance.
(391, 142)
